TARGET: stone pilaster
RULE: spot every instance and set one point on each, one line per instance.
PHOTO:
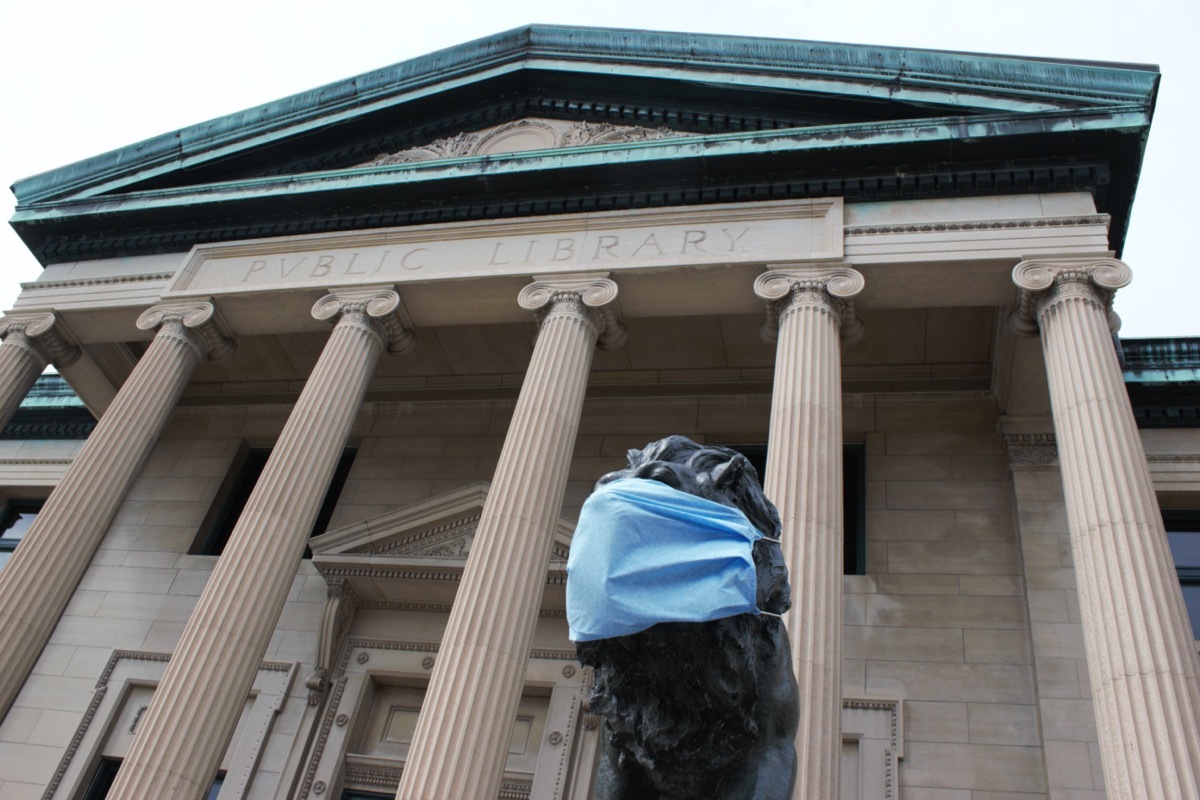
(809, 311)
(1139, 646)
(31, 341)
(195, 709)
(37, 582)
(461, 741)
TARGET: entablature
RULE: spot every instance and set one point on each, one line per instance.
(669, 262)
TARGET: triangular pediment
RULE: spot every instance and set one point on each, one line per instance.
(550, 119)
(441, 528)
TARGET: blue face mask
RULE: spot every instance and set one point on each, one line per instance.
(644, 553)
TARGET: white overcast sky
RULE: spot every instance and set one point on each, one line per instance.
(82, 77)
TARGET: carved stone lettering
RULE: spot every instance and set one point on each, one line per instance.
(750, 233)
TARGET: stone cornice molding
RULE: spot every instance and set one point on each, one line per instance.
(375, 308)
(42, 334)
(1031, 450)
(1046, 282)
(977, 225)
(197, 323)
(589, 296)
(829, 286)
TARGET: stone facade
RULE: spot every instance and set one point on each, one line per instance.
(1009, 627)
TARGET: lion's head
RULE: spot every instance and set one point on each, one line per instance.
(727, 477)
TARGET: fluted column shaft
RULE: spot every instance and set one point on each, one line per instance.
(811, 307)
(1139, 645)
(31, 341)
(461, 741)
(196, 706)
(40, 578)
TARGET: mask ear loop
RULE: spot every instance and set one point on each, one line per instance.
(780, 543)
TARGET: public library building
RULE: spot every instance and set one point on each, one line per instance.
(337, 373)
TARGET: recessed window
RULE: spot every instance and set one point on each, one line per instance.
(1183, 535)
(18, 517)
(106, 774)
(235, 492)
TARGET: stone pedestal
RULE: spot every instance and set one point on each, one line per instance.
(461, 741)
(195, 709)
(809, 311)
(40, 578)
(1139, 645)
(31, 341)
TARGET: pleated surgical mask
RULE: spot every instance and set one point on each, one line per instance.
(645, 553)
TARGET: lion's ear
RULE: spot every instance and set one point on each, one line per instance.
(730, 473)
(635, 457)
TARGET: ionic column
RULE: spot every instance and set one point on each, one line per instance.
(461, 741)
(31, 341)
(40, 578)
(1139, 645)
(195, 709)
(809, 311)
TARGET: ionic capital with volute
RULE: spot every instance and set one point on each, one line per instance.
(376, 309)
(829, 287)
(41, 333)
(196, 323)
(590, 296)
(1045, 283)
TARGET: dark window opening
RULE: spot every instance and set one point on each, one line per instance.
(18, 516)
(106, 773)
(854, 514)
(235, 492)
(1183, 536)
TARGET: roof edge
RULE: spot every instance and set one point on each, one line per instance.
(1091, 81)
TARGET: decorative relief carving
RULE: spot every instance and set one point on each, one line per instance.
(379, 307)
(523, 136)
(41, 334)
(583, 134)
(196, 323)
(591, 296)
(430, 541)
(339, 687)
(274, 690)
(1043, 283)
(1031, 449)
(832, 287)
(340, 605)
(105, 281)
(892, 736)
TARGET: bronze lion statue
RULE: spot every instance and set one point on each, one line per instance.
(701, 710)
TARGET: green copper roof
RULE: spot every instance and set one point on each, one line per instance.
(971, 81)
(756, 118)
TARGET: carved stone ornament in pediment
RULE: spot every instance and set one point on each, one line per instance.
(524, 135)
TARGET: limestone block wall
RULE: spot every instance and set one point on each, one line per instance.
(941, 618)
(1073, 768)
(995, 698)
